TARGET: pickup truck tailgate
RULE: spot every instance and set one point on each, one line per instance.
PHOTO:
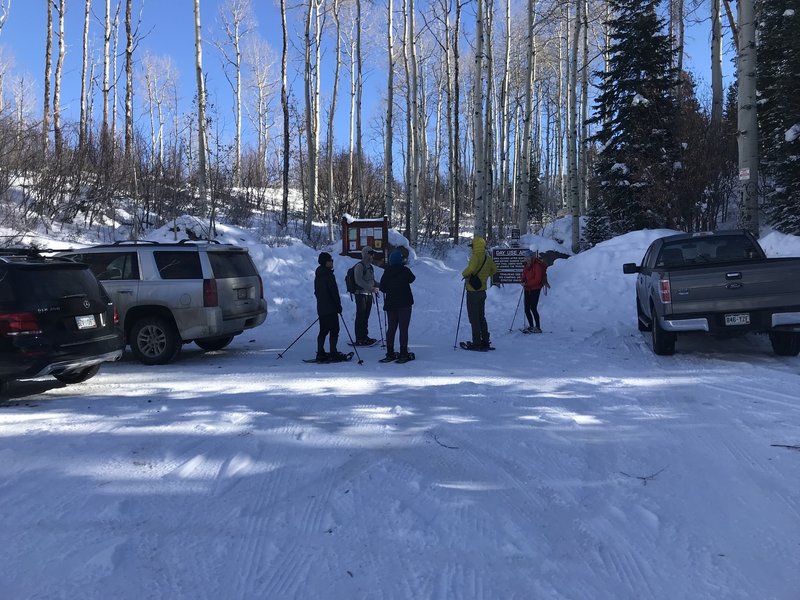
(746, 286)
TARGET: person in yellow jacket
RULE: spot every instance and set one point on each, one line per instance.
(481, 266)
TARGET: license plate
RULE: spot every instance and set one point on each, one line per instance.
(242, 293)
(738, 319)
(86, 322)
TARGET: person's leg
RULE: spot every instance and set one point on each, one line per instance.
(391, 330)
(363, 307)
(324, 330)
(483, 324)
(535, 306)
(474, 305)
(528, 309)
(404, 316)
(334, 327)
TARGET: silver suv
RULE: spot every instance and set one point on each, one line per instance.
(169, 294)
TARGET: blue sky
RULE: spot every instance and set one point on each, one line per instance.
(168, 29)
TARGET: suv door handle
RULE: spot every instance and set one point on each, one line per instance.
(733, 275)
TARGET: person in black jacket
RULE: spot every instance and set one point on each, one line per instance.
(329, 307)
(396, 287)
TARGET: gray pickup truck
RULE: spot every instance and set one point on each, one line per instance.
(718, 282)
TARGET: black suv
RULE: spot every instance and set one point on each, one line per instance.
(55, 319)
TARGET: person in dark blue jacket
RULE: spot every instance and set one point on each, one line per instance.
(329, 307)
(396, 287)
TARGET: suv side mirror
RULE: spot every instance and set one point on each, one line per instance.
(630, 268)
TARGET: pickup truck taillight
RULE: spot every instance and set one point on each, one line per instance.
(210, 293)
(20, 323)
(664, 291)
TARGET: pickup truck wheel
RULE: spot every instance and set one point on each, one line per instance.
(154, 341)
(216, 343)
(663, 341)
(78, 376)
(641, 318)
(785, 343)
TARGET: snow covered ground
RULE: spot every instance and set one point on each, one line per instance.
(574, 464)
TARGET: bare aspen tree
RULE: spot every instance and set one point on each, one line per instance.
(62, 49)
(237, 22)
(332, 113)
(48, 62)
(159, 77)
(388, 175)
(747, 122)
(503, 142)
(82, 130)
(201, 116)
(527, 112)
(129, 35)
(716, 65)
(489, 120)
(285, 108)
(104, 126)
(677, 26)
(416, 134)
(351, 152)
(456, 167)
(258, 58)
(572, 130)
(311, 89)
(478, 142)
(114, 79)
(410, 126)
(5, 7)
(583, 145)
(359, 92)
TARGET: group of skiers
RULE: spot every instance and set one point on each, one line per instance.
(395, 284)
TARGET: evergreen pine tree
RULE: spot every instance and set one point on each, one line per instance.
(778, 77)
(597, 227)
(636, 111)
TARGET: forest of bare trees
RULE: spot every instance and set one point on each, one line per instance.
(491, 118)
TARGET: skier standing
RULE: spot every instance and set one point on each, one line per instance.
(364, 276)
(397, 302)
(534, 278)
(477, 272)
(329, 307)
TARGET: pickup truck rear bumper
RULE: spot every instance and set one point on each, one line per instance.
(715, 323)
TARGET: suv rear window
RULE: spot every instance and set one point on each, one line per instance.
(228, 265)
(47, 283)
(178, 265)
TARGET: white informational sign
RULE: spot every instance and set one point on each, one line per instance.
(744, 174)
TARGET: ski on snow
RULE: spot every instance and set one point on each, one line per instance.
(347, 357)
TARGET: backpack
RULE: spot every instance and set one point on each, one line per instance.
(350, 280)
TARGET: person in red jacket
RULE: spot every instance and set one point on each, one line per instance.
(534, 278)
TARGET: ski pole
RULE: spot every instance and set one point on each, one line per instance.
(297, 338)
(361, 362)
(380, 325)
(516, 310)
(458, 325)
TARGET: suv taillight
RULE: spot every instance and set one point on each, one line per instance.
(116, 316)
(19, 324)
(210, 292)
(261, 285)
(665, 291)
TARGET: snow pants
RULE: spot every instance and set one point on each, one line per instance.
(363, 308)
(328, 325)
(398, 318)
(476, 311)
(532, 307)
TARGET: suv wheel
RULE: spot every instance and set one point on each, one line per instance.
(78, 376)
(785, 343)
(154, 341)
(216, 343)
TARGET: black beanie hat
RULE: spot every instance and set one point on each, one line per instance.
(324, 257)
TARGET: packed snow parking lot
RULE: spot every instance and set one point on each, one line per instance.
(574, 464)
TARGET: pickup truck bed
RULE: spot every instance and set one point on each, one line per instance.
(695, 282)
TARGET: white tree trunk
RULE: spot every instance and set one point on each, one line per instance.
(525, 145)
(572, 131)
(331, 114)
(62, 49)
(201, 114)
(82, 129)
(388, 176)
(748, 125)
(716, 65)
(477, 120)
